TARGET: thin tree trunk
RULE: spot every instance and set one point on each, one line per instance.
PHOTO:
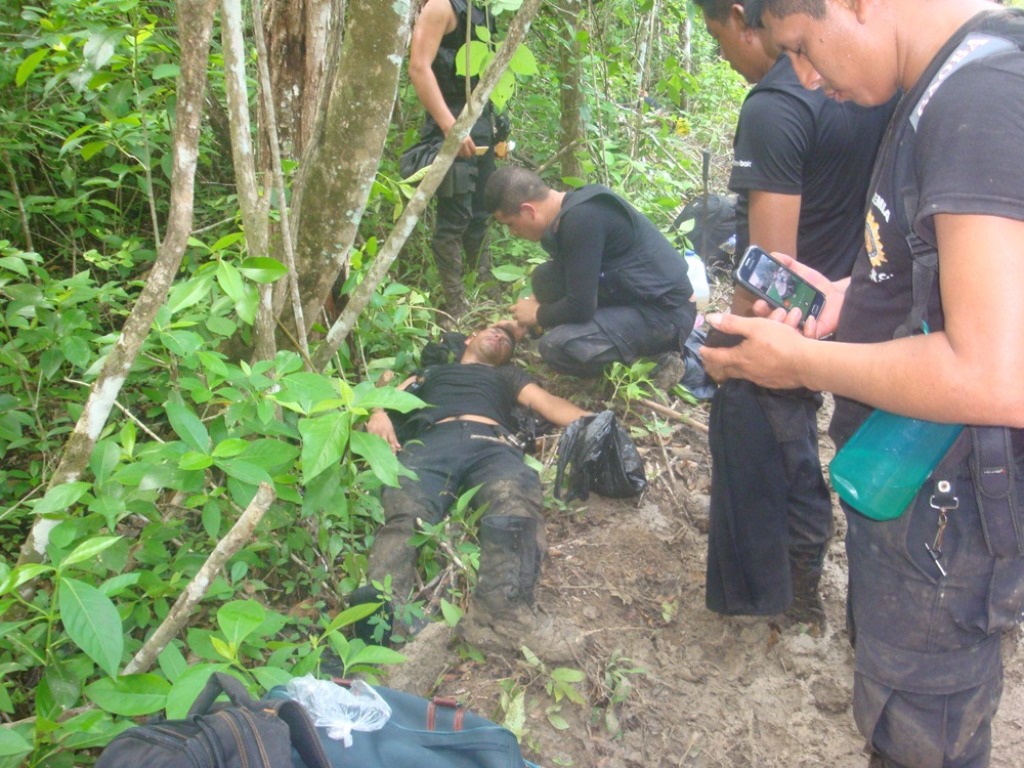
(571, 93)
(253, 207)
(361, 296)
(339, 165)
(195, 24)
(241, 532)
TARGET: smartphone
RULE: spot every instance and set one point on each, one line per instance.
(764, 276)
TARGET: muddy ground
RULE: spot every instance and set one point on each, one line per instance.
(665, 681)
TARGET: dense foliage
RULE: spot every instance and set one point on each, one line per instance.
(87, 102)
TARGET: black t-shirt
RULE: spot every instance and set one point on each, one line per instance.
(609, 254)
(968, 158)
(472, 389)
(793, 141)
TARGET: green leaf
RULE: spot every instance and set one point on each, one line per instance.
(351, 616)
(375, 655)
(366, 396)
(99, 48)
(92, 148)
(187, 687)
(60, 497)
(263, 269)
(567, 675)
(523, 62)
(230, 281)
(323, 442)
(194, 290)
(76, 350)
(233, 446)
(245, 471)
(164, 71)
(92, 621)
(227, 241)
(130, 695)
(14, 264)
(379, 456)
(89, 549)
(479, 55)
(508, 273)
(186, 424)
(224, 649)
(451, 612)
(557, 721)
(503, 90)
(238, 619)
(195, 461)
(21, 575)
(12, 743)
(306, 390)
(28, 66)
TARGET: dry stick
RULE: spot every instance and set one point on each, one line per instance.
(664, 455)
(361, 296)
(17, 198)
(239, 534)
(665, 411)
(195, 25)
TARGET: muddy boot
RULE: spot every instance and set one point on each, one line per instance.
(448, 257)
(807, 607)
(501, 617)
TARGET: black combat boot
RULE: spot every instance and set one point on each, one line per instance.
(501, 616)
(807, 607)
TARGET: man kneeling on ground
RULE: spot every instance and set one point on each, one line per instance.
(463, 440)
(615, 288)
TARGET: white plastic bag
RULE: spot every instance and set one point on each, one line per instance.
(341, 710)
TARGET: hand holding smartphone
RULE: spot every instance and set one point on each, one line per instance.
(764, 276)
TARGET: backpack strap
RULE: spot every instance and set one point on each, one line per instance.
(993, 462)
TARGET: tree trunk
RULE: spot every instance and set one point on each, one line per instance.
(195, 25)
(340, 163)
(377, 271)
(571, 92)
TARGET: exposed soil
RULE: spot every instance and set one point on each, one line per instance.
(713, 691)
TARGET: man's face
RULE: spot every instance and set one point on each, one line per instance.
(735, 43)
(492, 345)
(840, 53)
(526, 223)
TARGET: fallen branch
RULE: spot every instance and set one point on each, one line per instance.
(666, 411)
(240, 533)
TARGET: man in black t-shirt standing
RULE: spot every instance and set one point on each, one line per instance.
(800, 169)
(615, 288)
(928, 326)
(460, 227)
(464, 440)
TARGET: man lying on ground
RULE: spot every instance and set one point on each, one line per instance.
(461, 440)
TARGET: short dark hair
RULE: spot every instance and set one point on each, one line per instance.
(716, 10)
(509, 187)
(753, 13)
(783, 8)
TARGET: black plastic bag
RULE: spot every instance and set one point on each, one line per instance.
(600, 457)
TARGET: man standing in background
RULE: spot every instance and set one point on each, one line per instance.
(801, 168)
(460, 227)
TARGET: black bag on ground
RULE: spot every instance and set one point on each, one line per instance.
(601, 457)
(248, 734)
(713, 236)
(422, 733)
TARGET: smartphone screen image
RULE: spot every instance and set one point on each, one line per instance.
(766, 277)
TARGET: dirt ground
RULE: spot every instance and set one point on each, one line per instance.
(667, 682)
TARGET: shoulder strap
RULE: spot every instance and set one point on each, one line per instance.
(975, 46)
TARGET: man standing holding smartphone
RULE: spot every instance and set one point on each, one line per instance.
(801, 168)
(932, 590)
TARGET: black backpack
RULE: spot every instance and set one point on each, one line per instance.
(248, 734)
(713, 236)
